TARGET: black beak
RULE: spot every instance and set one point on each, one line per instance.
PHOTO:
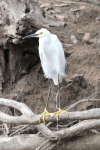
(30, 36)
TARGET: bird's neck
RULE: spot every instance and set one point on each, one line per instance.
(44, 40)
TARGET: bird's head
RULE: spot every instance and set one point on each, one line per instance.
(40, 34)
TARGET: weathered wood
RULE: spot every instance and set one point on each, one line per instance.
(87, 142)
(34, 118)
(23, 17)
(21, 142)
(34, 142)
(19, 18)
(29, 117)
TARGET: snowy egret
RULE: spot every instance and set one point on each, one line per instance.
(53, 62)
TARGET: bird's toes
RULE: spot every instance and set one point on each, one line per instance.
(43, 115)
(59, 111)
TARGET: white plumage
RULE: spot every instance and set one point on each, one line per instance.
(53, 62)
(51, 55)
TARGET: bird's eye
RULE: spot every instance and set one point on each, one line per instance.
(40, 33)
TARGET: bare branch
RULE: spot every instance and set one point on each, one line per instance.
(78, 128)
(17, 105)
(30, 118)
(34, 119)
(74, 130)
(26, 118)
(79, 102)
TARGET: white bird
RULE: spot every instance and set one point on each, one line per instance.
(52, 60)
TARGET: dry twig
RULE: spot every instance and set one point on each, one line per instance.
(28, 117)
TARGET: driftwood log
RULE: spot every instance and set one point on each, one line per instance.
(34, 142)
(89, 120)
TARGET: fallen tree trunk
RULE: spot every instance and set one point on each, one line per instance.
(87, 142)
(34, 142)
(21, 142)
(28, 117)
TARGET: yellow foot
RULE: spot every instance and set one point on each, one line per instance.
(59, 111)
(43, 115)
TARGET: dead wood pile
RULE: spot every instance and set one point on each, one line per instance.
(20, 18)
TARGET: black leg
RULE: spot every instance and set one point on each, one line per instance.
(59, 92)
(59, 111)
(48, 93)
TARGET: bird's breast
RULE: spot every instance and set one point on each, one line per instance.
(46, 49)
